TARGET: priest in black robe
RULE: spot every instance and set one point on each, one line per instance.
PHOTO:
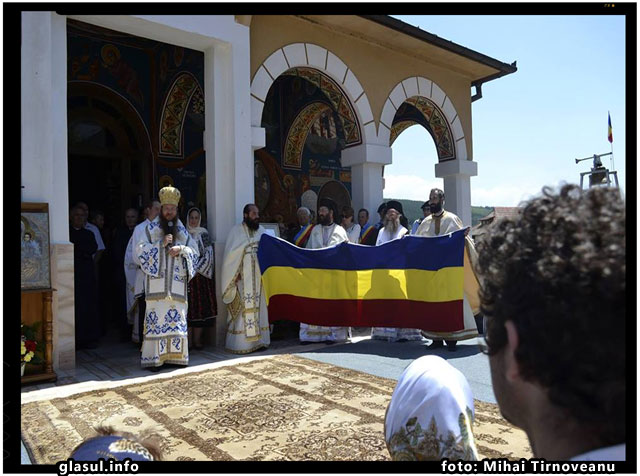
(87, 318)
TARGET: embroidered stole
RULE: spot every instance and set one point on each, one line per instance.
(252, 288)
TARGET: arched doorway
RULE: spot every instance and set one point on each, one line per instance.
(110, 160)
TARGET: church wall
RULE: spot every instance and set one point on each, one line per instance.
(378, 69)
(44, 159)
(227, 137)
(153, 77)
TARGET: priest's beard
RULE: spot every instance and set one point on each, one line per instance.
(252, 224)
(325, 220)
(391, 225)
(164, 226)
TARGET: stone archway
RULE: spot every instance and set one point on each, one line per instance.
(434, 103)
(319, 58)
(305, 134)
(440, 118)
(423, 111)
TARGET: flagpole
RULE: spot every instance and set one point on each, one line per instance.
(609, 120)
(612, 166)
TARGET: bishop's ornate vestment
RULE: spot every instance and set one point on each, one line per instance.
(247, 321)
(166, 279)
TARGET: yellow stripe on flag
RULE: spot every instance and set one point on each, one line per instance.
(413, 284)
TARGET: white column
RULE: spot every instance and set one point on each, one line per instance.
(366, 162)
(44, 117)
(44, 160)
(457, 186)
(241, 78)
(228, 140)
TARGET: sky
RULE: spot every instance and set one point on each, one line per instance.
(529, 126)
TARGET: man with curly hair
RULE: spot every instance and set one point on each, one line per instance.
(553, 292)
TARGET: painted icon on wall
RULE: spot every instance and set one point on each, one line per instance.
(34, 246)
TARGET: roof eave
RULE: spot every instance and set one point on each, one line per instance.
(503, 69)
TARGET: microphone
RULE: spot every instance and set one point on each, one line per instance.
(171, 232)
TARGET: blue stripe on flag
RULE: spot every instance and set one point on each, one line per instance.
(411, 252)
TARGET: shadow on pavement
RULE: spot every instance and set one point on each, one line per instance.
(400, 350)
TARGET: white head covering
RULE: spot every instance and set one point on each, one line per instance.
(430, 414)
(195, 231)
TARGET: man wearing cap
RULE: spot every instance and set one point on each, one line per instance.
(167, 256)
(425, 212)
(325, 233)
(442, 222)
(393, 230)
(382, 211)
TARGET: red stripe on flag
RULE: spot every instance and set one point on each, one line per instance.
(430, 316)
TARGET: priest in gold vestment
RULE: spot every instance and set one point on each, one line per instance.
(439, 223)
(242, 292)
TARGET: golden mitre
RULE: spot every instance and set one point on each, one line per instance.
(169, 196)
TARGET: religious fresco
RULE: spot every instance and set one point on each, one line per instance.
(308, 121)
(420, 110)
(164, 83)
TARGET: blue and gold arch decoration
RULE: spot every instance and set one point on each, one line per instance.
(298, 132)
(434, 120)
(173, 113)
(337, 98)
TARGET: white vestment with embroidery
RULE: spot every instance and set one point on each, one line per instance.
(165, 284)
(323, 237)
(134, 278)
(446, 223)
(393, 334)
(247, 320)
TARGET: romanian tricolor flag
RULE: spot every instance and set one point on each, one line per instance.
(415, 282)
(610, 130)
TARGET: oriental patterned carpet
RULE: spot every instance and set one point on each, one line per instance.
(278, 408)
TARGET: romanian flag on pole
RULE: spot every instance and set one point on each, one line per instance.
(414, 282)
(610, 130)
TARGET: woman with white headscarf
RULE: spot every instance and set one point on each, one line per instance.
(202, 294)
(430, 414)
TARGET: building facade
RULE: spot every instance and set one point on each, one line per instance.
(278, 110)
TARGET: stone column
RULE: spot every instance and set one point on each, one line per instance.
(366, 162)
(457, 186)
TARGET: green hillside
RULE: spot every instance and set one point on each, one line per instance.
(413, 211)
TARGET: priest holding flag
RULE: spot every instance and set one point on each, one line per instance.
(415, 282)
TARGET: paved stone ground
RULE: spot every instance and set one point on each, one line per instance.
(389, 359)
